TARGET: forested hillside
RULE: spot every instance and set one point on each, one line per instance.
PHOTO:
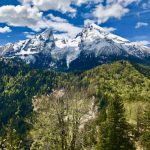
(33, 100)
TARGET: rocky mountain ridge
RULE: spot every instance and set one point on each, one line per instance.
(91, 47)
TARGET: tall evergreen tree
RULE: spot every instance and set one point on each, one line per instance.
(114, 132)
(145, 128)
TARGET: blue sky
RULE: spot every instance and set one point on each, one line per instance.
(21, 19)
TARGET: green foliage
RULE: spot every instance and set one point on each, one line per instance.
(119, 77)
(114, 132)
(145, 70)
(20, 83)
(61, 119)
(11, 139)
(145, 128)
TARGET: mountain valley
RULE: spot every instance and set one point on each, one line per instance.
(70, 94)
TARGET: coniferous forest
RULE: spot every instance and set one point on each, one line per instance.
(105, 108)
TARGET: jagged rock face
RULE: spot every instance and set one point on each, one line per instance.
(91, 47)
(32, 51)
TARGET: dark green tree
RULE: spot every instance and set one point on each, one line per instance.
(114, 133)
(145, 128)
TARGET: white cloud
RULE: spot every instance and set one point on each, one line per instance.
(29, 34)
(123, 3)
(88, 21)
(63, 27)
(21, 16)
(141, 43)
(55, 18)
(141, 24)
(59, 5)
(110, 29)
(80, 2)
(102, 13)
(5, 29)
(31, 17)
(112, 9)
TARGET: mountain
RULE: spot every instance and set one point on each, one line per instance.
(91, 47)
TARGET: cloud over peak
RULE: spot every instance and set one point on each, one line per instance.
(103, 13)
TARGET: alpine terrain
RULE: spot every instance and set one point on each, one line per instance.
(91, 47)
(87, 93)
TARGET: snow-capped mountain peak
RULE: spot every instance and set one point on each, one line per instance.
(91, 47)
(47, 34)
(93, 26)
(95, 30)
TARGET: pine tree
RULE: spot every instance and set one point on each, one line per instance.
(145, 128)
(114, 132)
